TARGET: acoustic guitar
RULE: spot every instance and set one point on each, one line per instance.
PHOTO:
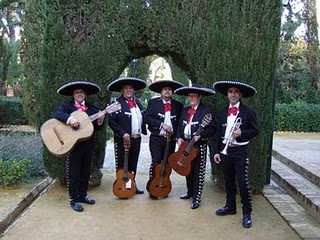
(61, 138)
(160, 185)
(180, 161)
(124, 186)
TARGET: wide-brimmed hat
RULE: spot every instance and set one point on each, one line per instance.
(195, 88)
(136, 83)
(157, 86)
(68, 88)
(245, 89)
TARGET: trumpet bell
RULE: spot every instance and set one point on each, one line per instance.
(224, 151)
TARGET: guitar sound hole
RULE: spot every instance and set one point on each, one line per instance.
(185, 153)
(76, 127)
(125, 179)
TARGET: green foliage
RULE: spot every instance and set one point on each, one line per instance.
(14, 69)
(2, 63)
(208, 40)
(11, 111)
(31, 54)
(10, 15)
(297, 116)
(293, 76)
(29, 147)
(13, 172)
(298, 63)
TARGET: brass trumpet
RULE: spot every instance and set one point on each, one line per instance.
(230, 138)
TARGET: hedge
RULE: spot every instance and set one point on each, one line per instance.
(11, 111)
(298, 116)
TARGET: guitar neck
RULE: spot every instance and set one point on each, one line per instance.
(95, 116)
(166, 155)
(191, 143)
(125, 164)
(109, 109)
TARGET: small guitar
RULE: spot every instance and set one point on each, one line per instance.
(61, 138)
(124, 186)
(180, 161)
(160, 185)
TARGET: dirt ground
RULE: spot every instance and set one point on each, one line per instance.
(140, 218)
(12, 195)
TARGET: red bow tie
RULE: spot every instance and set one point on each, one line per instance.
(233, 110)
(191, 112)
(131, 103)
(167, 107)
(81, 106)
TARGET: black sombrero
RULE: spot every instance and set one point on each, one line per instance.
(195, 88)
(245, 89)
(157, 86)
(68, 88)
(136, 83)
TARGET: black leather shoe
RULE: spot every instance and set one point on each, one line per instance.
(76, 206)
(138, 191)
(153, 197)
(225, 211)
(246, 221)
(185, 196)
(194, 205)
(87, 200)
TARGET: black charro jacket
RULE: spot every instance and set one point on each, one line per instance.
(154, 115)
(120, 122)
(197, 119)
(249, 126)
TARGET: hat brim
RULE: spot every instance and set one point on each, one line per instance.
(88, 87)
(201, 91)
(223, 87)
(159, 84)
(118, 84)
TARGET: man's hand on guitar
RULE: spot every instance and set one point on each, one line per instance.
(126, 141)
(196, 138)
(126, 137)
(167, 128)
(101, 117)
(179, 141)
(74, 122)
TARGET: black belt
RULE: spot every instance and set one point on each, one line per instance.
(163, 135)
(159, 135)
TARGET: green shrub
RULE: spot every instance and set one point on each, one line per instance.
(14, 171)
(11, 111)
(29, 147)
(297, 116)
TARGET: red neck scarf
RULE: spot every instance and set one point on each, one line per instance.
(191, 112)
(131, 103)
(233, 111)
(81, 106)
(167, 107)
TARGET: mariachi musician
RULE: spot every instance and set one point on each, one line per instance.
(162, 117)
(237, 125)
(78, 161)
(190, 120)
(128, 125)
